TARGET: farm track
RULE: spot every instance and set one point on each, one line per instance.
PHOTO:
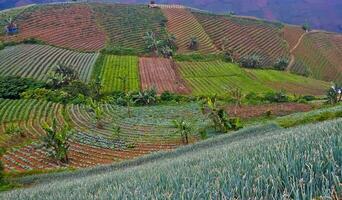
(162, 74)
(70, 26)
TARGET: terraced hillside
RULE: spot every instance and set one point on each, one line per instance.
(37, 61)
(319, 55)
(162, 74)
(292, 35)
(245, 36)
(91, 146)
(183, 25)
(302, 150)
(119, 73)
(208, 78)
(126, 25)
(28, 115)
(66, 25)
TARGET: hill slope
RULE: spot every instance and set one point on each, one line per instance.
(217, 169)
(320, 13)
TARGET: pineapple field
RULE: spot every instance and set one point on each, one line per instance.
(126, 101)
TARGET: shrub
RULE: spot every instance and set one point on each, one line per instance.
(2, 46)
(251, 61)
(146, 97)
(281, 64)
(168, 96)
(276, 97)
(334, 94)
(194, 43)
(118, 50)
(184, 129)
(12, 86)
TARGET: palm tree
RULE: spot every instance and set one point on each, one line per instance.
(184, 129)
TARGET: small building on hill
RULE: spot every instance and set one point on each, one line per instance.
(152, 4)
(11, 28)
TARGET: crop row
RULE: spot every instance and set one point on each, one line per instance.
(161, 74)
(320, 57)
(183, 25)
(66, 25)
(125, 25)
(209, 78)
(36, 61)
(255, 163)
(118, 72)
(244, 39)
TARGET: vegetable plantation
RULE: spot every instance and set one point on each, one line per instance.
(319, 56)
(217, 77)
(125, 25)
(220, 172)
(119, 73)
(37, 61)
(70, 26)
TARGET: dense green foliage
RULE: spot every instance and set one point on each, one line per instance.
(250, 61)
(220, 172)
(119, 73)
(11, 86)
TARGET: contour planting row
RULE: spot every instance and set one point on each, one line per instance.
(126, 25)
(210, 78)
(28, 115)
(66, 25)
(320, 57)
(183, 25)
(161, 74)
(37, 61)
(292, 34)
(244, 38)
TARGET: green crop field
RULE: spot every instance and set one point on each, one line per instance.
(208, 78)
(276, 163)
(115, 68)
(125, 25)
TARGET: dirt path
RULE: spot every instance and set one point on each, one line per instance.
(295, 47)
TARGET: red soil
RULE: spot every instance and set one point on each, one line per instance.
(292, 34)
(162, 74)
(68, 26)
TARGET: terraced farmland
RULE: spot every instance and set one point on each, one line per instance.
(292, 34)
(125, 25)
(66, 25)
(36, 61)
(184, 26)
(117, 68)
(29, 115)
(162, 74)
(149, 130)
(245, 36)
(208, 78)
(319, 55)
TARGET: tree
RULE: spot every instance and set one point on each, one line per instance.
(62, 75)
(251, 61)
(237, 96)
(219, 116)
(11, 87)
(146, 97)
(334, 94)
(184, 129)
(97, 109)
(306, 27)
(194, 43)
(281, 64)
(56, 141)
(151, 42)
(95, 87)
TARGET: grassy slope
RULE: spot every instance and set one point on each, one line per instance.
(208, 78)
(217, 169)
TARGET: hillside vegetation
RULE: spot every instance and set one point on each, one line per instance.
(218, 170)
